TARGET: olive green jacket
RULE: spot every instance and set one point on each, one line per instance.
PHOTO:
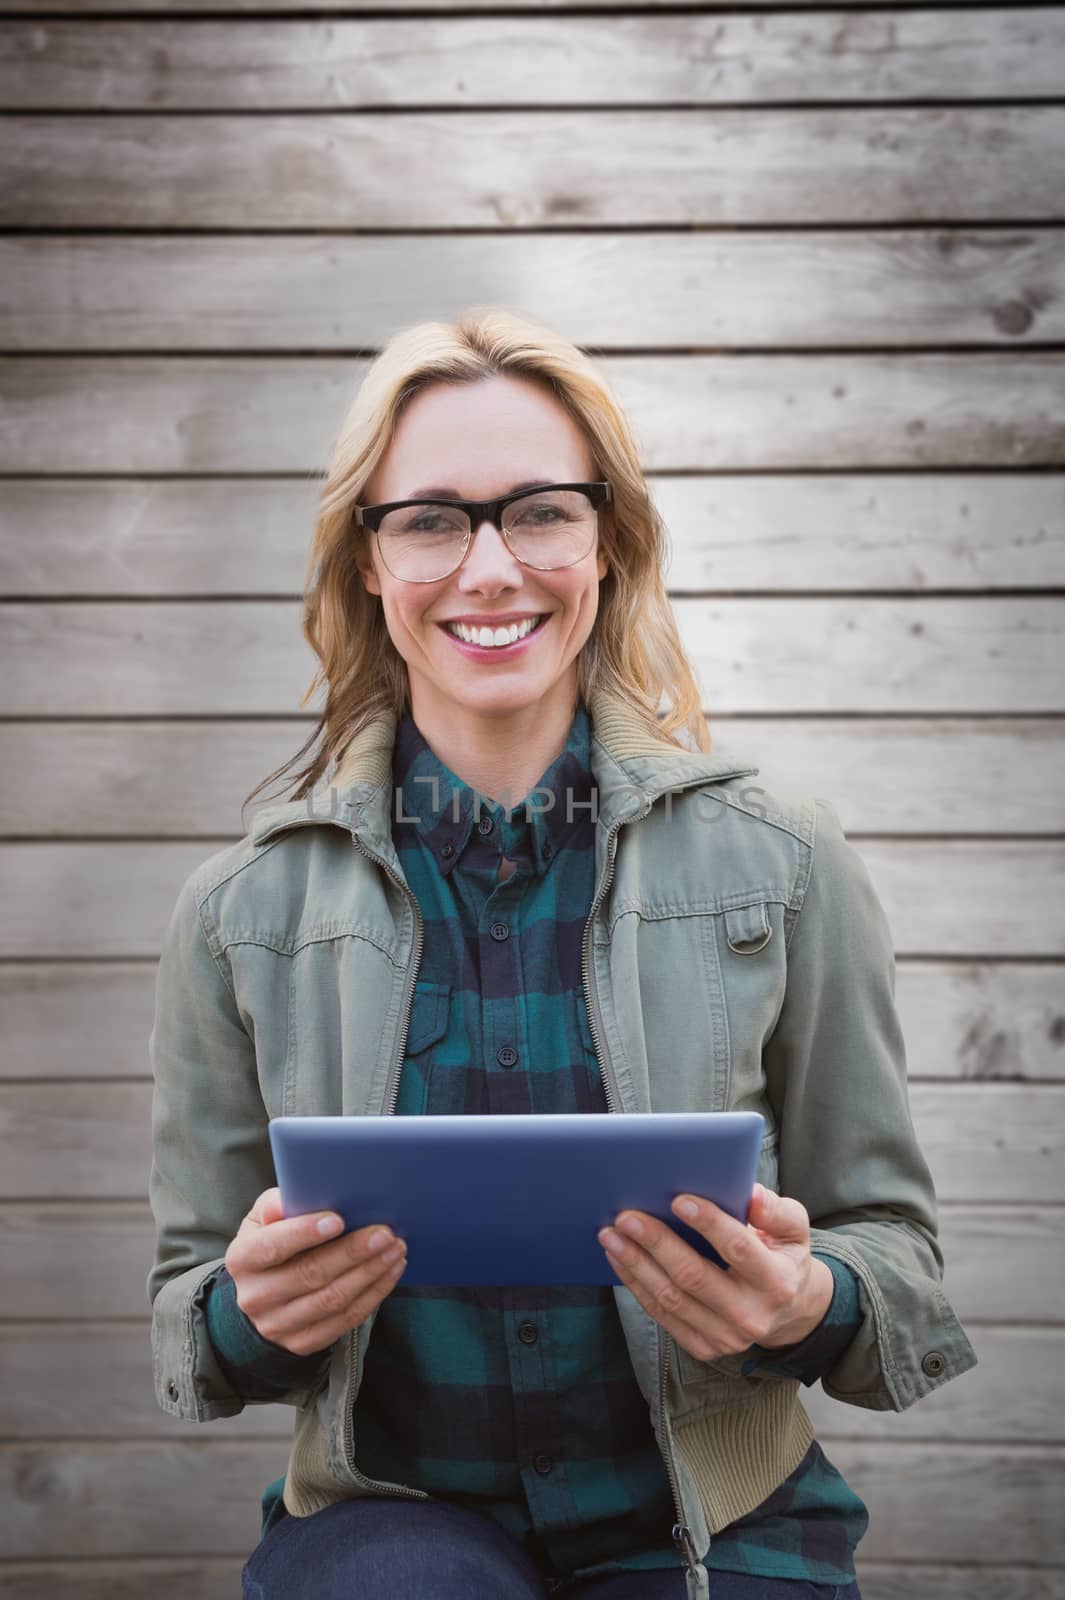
(736, 957)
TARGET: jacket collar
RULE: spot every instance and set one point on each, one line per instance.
(630, 766)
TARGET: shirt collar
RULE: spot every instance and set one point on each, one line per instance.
(445, 811)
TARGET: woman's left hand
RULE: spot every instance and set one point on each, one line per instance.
(775, 1292)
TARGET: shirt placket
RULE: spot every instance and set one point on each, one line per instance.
(505, 1046)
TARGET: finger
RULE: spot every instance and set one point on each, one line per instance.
(360, 1308)
(711, 1336)
(673, 1275)
(310, 1270)
(738, 1244)
(334, 1302)
(262, 1245)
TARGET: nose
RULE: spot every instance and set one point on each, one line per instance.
(490, 563)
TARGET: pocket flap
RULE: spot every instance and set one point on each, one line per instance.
(428, 1015)
(748, 928)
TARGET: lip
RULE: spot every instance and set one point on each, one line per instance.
(494, 619)
(503, 652)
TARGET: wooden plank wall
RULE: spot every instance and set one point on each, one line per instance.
(819, 253)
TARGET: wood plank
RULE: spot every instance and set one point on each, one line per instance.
(786, 657)
(171, 1578)
(1017, 1394)
(156, 778)
(1004, 1504)
(144, 414)
(1028, 918)
(464, 63)
(981, 1021)
(263, 8)
(957, 1503)
(998, 899)
(76, 1019)
(218, 1578)
(890, 288)
(79, 538)
(91, 1259)
(880, 1580)
(46, 1395)
(500, 169)
(873, 655)
(984, 1142)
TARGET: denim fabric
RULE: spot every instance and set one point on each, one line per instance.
(379, 1549)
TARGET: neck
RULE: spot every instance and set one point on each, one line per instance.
(501, 754)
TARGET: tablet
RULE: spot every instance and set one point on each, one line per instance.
(514, 1199)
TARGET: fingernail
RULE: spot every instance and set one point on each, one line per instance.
(327, 1225)
(688, 1208)
(379, 1239)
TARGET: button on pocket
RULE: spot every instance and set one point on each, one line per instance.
(748, 928)
(428, 1015)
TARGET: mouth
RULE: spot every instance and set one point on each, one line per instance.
(481, 642)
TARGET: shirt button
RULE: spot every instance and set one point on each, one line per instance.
(933, 1364)
(528, 1333)
(500, 931)
(171, 1390)
(506, 1055)
(484, 825)
(447, 850)
(543, 1465)
(547, 849)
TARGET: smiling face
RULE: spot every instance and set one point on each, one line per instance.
(474, 442)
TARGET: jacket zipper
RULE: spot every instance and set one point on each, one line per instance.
(349, 1402)
(681, 1535)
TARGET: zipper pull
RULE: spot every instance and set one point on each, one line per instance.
(697, 1578)
(683, 1540)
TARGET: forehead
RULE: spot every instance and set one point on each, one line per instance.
(480, 440)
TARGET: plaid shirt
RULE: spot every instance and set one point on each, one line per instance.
(520, 1402)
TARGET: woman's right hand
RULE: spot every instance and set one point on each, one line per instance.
(300, 1292)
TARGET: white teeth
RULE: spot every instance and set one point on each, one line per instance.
(492, 638)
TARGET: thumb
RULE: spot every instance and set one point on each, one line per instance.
(267, 1208)
(777, 1215)
(766, 1210)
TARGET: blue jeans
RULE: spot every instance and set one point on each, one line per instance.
(379, 1548)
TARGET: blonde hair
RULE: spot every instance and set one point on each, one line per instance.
(634, 647)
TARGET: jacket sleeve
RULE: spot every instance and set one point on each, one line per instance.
(836, 1081)
(211, 1159)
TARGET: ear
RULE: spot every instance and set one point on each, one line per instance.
(602, 565)
(364, 562)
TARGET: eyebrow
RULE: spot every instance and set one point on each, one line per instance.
(453, 494)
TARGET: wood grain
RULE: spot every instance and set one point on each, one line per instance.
(543, 62)
(187, 414)
(535, 169)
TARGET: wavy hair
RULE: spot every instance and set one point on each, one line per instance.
(634, 647)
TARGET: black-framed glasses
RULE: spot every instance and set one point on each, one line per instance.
(550, 526)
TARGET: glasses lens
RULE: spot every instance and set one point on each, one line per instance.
(553, 528)
(423, 541)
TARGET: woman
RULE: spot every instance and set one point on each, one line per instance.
(532, 887)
